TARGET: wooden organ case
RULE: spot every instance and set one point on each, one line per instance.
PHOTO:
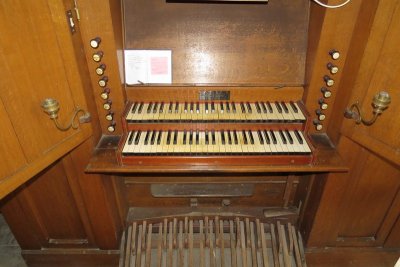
(232, 135)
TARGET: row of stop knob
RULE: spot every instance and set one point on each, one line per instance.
(97, 57)
(326, 90)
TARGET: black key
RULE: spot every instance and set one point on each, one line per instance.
(191, 107)
(222, 137)
(289, 137)
(251, 137)
(299, 138)
(236, 137)
(278, 106)
(266, 136)
(244, 137)
(221, 107)
(249, 109)
(206, 107)
(138, 137)
(169, 137)
(155, 107)
(197, 107)
(149, 107)
(184, 137)
(176, 107)
(269, 107)
(233, 107)
(185, 107)
(159, 137)
(213, 137)
(130, 139)
(260, 137)
(207, 138)
(229, 138)
(146, 138)
(197, 137)
(294, 107)
(285, 108)
(140, 108)
(228, 109)
(191, 137)
(284, 141)
(212, 107)
(176, 137)
(258, 107)
(242, 107)
(170, 107)
(153, 137)
(135, 106)
(264, 108)
(161, 110)
(274, 140)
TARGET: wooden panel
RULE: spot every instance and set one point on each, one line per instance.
(219, 43)
(329, 29)
(377, 72)
(30, 51)
(100, 20)
(12, 158)
(365, 200)
(393, 240)
(55, 210)
(264, 194)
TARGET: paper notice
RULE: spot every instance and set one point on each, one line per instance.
(148, 66)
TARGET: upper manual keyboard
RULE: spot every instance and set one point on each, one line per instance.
(215, 112)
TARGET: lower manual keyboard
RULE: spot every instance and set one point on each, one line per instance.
(226, 147)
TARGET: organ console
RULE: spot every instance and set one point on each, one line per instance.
(220, 132)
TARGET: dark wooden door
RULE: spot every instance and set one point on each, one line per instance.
(360, 208)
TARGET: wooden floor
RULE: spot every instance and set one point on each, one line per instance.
(351, 258)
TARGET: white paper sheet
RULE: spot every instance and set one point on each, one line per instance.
(148, 66)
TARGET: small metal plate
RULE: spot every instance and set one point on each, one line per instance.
(214, 95)
(202, 190)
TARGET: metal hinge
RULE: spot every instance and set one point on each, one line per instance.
(70, 21)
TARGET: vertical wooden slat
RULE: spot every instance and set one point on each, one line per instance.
(303, 256)
(143, 237)
(288, 190)
(165, 233)
(133, 246)
(159, 244)
(186, 231)
(283, 240)
(296, 247)
(148, 245)
(233, 245)
(175, 233)
(128, 246)
(248, 242)
(254, 261)
(264, 245)
(202, 255)
(289, 226)
(217, 236)
(139, 247)
(212, 251)
(170, 243)
(258, 233)
(222, 243)
(274, 246)
(191, 243)
(243, 244)
(206, 231)
(181, 257)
